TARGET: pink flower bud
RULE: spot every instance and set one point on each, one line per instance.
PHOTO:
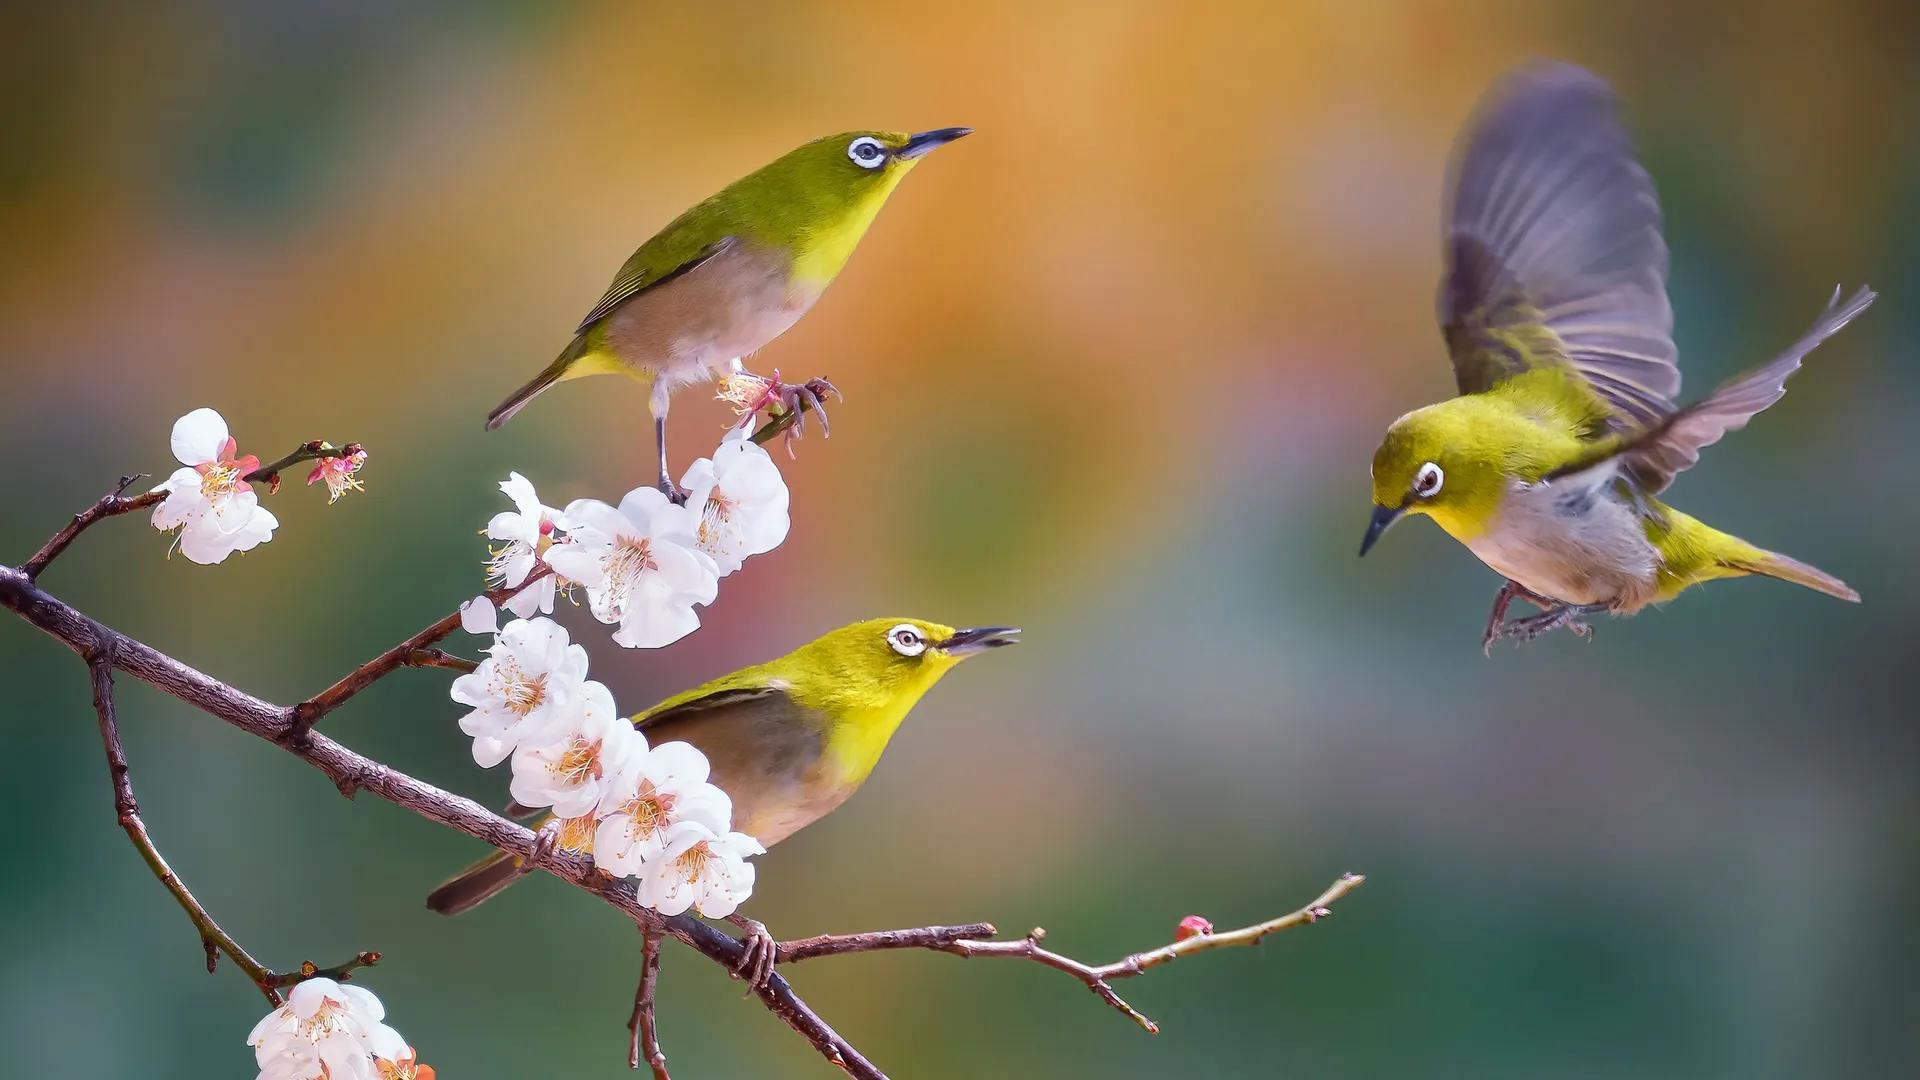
(1192, 926)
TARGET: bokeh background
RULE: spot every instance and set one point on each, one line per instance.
(1114, 369)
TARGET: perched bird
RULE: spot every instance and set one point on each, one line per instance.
(789, 740)
(1554, 308)
(733, 273)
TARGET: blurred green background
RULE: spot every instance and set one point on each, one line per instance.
(1114, 369)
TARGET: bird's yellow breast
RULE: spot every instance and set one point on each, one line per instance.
(824, 248)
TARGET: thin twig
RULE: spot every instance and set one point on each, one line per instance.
(439, 658)
(112, 504)
(213, 939)
(413, 652)
(940, 938)
(338, 972)
(642, 1029)
(967, 941)
(269, 473)
(117, 502)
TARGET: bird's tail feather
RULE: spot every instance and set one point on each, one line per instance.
(551, 374)
(475, 884)
(1775, 565)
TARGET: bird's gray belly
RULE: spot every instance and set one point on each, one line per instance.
(1575, 544)
(727, 307)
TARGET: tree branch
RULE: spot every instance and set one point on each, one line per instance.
(106, 650)
(352, 772)
(645, 1036)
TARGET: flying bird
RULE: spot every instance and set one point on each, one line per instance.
(1550, 462)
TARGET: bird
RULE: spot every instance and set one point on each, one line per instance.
(788, 740)
(1553, 305)
(736, 271)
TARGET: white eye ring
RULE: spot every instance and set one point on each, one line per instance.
(867, 152)
(1426, 482)
(906, 640)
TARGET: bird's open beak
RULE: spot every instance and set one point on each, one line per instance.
(979, 639)
(1383, 516)
(930, 140)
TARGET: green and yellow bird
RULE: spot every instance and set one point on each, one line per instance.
(791, 739)
(733, 273)
(1554, 308)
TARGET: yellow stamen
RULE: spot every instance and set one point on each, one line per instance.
(578, 763)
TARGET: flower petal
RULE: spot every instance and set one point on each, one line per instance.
(199, 437)
(478, 616)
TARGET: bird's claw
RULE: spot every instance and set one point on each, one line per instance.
(545, 839)
(802, 398)
(757, 959)
(675, 494)
(1560, 616)
(1553, 615)
(796, 400)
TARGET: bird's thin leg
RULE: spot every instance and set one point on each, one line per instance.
(756, 963)
(658, 405)
(1501, 600)
(1553, 618)
(660, 444)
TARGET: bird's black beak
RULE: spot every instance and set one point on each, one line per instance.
(930, 140)
(979, 639)
(1383, 516)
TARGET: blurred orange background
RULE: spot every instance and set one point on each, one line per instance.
(1114, 368)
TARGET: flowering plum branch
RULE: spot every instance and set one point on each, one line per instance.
(637, 825)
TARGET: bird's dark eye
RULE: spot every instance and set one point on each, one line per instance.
(866, 152)
(1426, 482)
(906, 640)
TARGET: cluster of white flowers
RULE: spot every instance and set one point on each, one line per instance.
(641, 811)
(330, 1031)
(648, 562)
(210, 499)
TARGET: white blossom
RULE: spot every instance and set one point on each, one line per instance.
(527, 689)
(699, 868)
(739, 499)
(524, 531)
(639, 565)
(328, 1030)
(571, 769)
(209, 499)
(654, 790)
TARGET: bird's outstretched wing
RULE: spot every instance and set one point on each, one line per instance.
(1653, 457)
(668, 255)
(1553, 248)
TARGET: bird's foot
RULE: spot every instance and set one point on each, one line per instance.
(545, 839)
(756, 962)
(675, 494)
(1555, 617)
(786, 403)
(1509, 591)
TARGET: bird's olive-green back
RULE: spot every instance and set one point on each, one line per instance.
(813, 203)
